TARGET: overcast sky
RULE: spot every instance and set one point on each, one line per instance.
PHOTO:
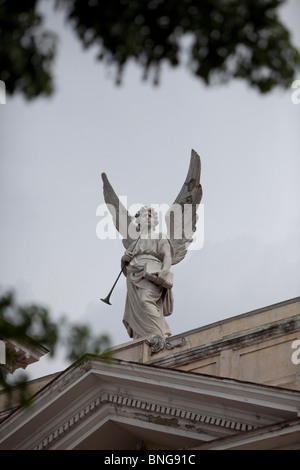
(54, 150)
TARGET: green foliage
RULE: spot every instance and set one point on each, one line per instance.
(26, 50)
(33, 324)
(79, 341)
(32, 321)
(226, 39)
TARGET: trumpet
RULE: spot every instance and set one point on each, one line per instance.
(107, 298)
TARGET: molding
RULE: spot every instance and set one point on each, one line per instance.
(68, 377)
(123, 401)
(261, 437)
(46, 395)
(191, 355)
(20, 355)
(94, 391)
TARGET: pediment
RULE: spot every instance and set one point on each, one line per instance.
(123, 405)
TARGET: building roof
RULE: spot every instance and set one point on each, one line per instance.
(99, 405)
(231, 385)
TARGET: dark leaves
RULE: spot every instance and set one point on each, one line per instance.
(33, 324)
(242, 39)
(26, 50)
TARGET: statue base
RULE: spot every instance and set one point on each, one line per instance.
(142, 350)
(157, 343)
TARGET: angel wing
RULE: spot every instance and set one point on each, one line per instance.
(181, 218)
(123, 221)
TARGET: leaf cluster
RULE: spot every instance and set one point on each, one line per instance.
(33, 325)
(226, 38)
(27, 50)
(217, 40)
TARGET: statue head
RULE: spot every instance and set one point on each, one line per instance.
(146, 219)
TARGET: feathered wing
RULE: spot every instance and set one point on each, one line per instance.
(123, 221)
(181, 218)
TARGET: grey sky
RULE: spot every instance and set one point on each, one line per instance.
(54, 150)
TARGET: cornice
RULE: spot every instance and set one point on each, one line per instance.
(20, 355)
(234, 342)
(263, 433)
(95, 389)
(119, 401)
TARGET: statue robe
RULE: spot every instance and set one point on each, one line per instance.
(147, 304)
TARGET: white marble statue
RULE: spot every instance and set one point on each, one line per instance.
(149, 255)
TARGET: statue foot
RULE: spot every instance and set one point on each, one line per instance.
(157, 343)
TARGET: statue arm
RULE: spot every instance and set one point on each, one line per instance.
(125, 260)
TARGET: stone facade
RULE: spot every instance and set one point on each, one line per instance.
(232, 385)
(254, 347)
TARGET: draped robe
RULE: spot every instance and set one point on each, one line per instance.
(147, 304)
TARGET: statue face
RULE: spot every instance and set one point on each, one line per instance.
(147, 220)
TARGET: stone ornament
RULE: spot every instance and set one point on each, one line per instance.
(158, 343)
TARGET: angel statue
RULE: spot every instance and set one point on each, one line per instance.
(149, 256)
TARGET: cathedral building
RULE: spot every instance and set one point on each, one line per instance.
(230, 385)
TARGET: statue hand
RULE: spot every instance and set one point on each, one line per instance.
(127, 257)
(162, 276)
